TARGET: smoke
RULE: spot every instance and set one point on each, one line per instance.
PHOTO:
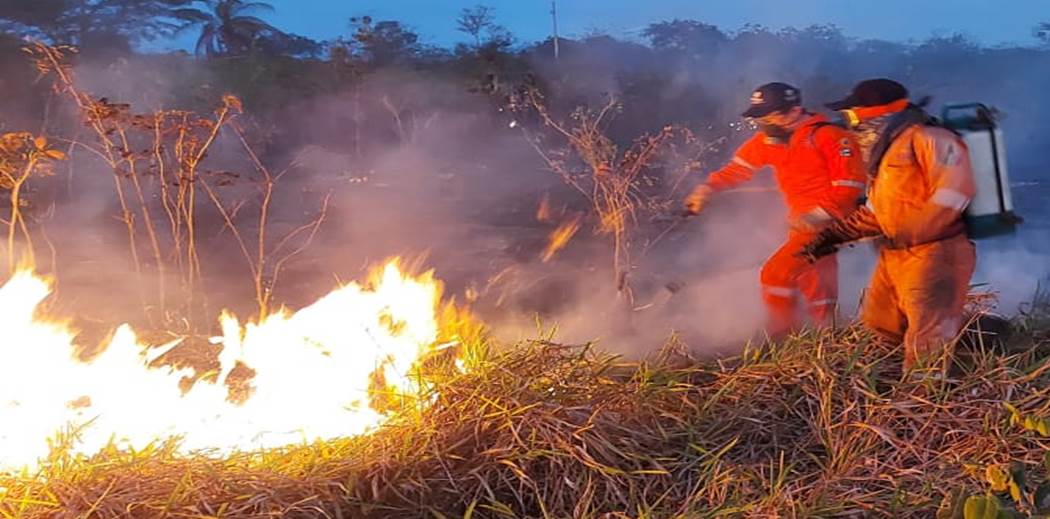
(1013, 268)
(409, 163)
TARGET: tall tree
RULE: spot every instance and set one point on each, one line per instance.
(475, 21)
(689, 37)
(480, 23)
(229, 27)
(383, 42)
(79, 21)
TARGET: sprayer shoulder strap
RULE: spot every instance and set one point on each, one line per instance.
(815, 128)
(813, 137)
(896, 127)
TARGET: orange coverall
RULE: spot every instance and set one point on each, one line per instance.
(918, 291)
(820, 173)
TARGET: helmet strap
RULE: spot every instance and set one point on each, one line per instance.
(855, 116)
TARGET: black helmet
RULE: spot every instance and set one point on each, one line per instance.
(871, 92)
(773, 97)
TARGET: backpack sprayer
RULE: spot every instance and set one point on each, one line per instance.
(991, 212)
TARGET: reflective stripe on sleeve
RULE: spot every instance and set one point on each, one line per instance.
(848, 183)
(778, 291)
(950, 198)
(741, 162)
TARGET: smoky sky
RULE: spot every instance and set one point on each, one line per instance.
(447, 180)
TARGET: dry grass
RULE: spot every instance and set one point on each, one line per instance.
(824, 425)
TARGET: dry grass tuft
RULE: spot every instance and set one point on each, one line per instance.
(824, 425)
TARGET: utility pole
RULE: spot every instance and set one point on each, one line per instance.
(554, 18)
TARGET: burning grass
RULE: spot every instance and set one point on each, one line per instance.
(822, 425)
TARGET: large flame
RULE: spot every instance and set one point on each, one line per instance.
(315, 371)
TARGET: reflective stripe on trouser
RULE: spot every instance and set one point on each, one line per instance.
(785, 275)
(918, 295)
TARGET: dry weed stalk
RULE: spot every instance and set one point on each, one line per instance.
(614, 181)
(266, 263)
(160, 155)
(408, 123)
(22, 156)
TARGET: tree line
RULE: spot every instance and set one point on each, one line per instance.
(680, 71)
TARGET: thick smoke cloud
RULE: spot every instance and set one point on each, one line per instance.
(417, 164)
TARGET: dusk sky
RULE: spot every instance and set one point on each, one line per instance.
(990, 22)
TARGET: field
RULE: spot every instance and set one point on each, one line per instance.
(823, 425)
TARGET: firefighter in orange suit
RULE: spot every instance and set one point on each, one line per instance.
(820, 173)
(921, 184)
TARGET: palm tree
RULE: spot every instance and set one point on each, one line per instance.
(228, 27)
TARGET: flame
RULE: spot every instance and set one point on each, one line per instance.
(560, 237)
(543, 211)
(319, 373)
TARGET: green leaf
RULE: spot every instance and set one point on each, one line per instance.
(470, 509)
(981, 507)
(1043, 428)
(1046, 462)
(1015, 492)
(500, 508)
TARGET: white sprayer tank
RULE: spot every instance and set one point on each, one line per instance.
(990, 213)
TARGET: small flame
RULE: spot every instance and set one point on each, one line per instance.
(543, 211)
(561, 236)
(319, 373)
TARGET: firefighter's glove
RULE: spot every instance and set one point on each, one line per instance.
(697, 200)
(825, 243)
(858, 225)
